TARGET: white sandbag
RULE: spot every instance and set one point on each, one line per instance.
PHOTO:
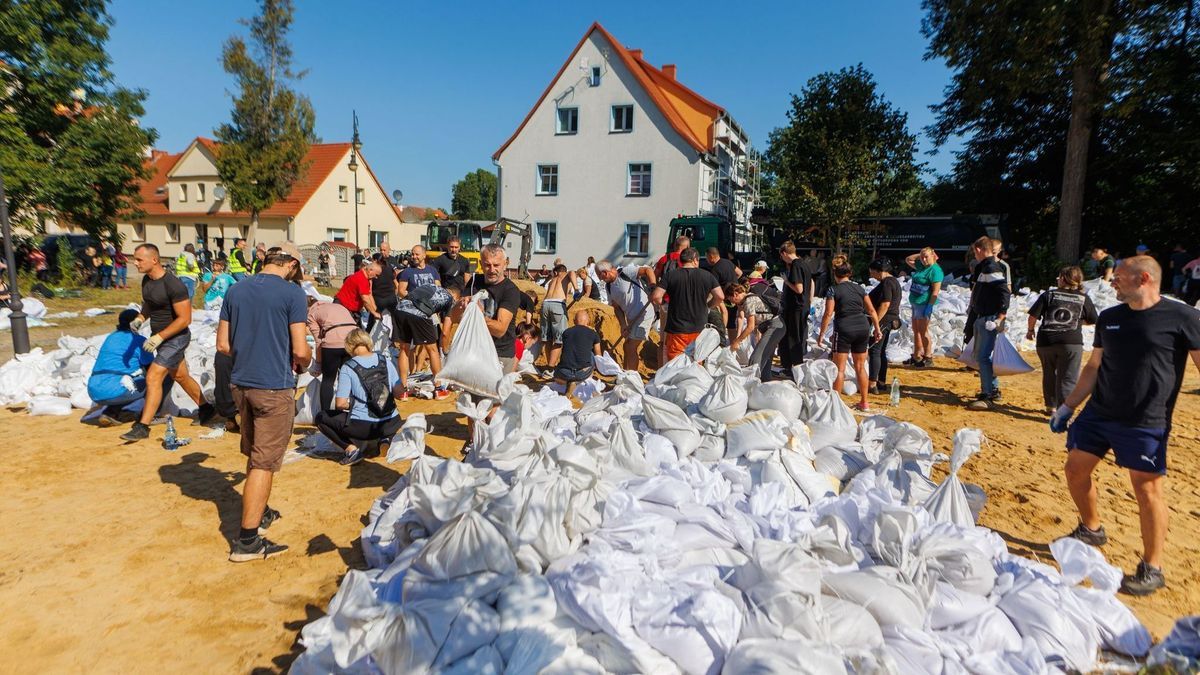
(1006, 360)
(1120, 630)
(761, 430)
(669, 420)
(829, 420)
(948, 503)
(726, 401)
(484, 661)
(309, 403)
(472, 362)
(779, 395)
(881, 591)
(765, 656)
(606, 365)
(80, 399)
(381, 334)
(527, 602)
(1054, 618)
(475, 627)
(704, 345)
(815, 374)
(691, 623)
(409, 442)
(842, 462)
(50, 405)
(465, 559)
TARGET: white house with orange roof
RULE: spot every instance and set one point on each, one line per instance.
(612, 151)
(184, 202)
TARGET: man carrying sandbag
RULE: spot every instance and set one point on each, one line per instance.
(631, 304)
(263, 330)
(692, 291)
(500, 306)
(1133, 377)
(990, 295)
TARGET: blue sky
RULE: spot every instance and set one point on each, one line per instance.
(440, 86)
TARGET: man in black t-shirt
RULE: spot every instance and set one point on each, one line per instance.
(166, 303)
(692, 291)
(500, 307)
(797, 296)
(1133, 377)
(579, 344)
(452, 267)
(383, 287)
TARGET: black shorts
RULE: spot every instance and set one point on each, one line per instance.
(854, 340)
(1138, 448)
(413, 329)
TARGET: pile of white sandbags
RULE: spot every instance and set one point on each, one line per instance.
(703, 523)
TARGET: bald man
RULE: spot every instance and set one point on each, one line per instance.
(1133, 377)
(418, 273)
(579, 344)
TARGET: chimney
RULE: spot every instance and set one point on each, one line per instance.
(668, 69)
(635, 53)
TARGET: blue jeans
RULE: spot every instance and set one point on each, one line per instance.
(1177, 284)
(985, 342)
(121, 274)
(125, 399)
(190, 283)
(106, 276)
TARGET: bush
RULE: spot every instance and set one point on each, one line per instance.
(68, 274)
(1042, 266)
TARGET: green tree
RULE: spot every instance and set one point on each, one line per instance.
(264, 145)
(474, 197)
(70, 145)
(845, 152)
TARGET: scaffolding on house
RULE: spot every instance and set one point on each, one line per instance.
(733, 190)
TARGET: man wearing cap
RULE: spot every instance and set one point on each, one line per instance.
(263, 330)
(118, 377)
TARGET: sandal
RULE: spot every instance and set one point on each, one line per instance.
(862, 407)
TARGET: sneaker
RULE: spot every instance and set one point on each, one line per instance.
(352, 458)
(139, 432)
(919, 364)
(982, 404)
(204, 414)
(873, 389)
(269, 516)
(104, 421)
(441, 394)
(259, 549)
(1097, 537)
(232, 426)
(910, 361)
(1144, 581)
(928, 362)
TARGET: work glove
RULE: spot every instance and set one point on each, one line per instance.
(1060, 418)
(136, 324)
(152, 343)
(990, 324)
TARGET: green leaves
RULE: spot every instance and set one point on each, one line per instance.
(474, 197)
(845, 152)
(264, 144)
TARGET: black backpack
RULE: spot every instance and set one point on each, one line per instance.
(375, 382)
(770, 296)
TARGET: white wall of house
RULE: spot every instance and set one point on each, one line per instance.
(591, 209)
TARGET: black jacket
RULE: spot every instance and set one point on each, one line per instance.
(989, 288)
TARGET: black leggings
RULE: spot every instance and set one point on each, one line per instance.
(877, 358)
(343, 431)
(222, 391)
(332, 359)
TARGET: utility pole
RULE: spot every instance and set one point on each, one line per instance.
(17, 322)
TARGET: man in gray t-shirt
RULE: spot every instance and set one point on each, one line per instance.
(631, 303)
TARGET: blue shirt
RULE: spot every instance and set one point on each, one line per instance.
(120, 355)
(260, 309)
(349, 386)
(220, 284)
(416, 277)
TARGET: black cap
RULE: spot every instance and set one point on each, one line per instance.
(125, 318)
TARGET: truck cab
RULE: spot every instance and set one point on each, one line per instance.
(745, 242)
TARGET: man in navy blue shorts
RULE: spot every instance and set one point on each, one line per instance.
(1137, 365)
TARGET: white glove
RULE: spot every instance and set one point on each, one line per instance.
(152, 343)
(989, 324)
(136, 324)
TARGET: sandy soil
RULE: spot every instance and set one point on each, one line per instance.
(112, 556)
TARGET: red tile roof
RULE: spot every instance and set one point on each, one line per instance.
(688, 113)
(322, 159)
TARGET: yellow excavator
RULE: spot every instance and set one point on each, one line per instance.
(471, 237)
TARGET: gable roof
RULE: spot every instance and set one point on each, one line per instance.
(688, 113)
(322, 159)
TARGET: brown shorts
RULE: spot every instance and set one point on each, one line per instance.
(677, 342)
(266, 417)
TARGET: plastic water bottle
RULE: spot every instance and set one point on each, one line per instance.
(170, 440)
(895, 392)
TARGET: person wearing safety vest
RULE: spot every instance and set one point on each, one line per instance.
(237, 260)
(187, 269)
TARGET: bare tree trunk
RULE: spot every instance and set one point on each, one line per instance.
(1091, 64)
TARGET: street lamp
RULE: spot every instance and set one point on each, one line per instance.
(17, 323)
(355, 147)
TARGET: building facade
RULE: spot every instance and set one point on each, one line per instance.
(612, 151)
(184, 202)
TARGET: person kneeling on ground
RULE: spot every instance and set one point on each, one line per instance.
(368, 386)
(118, 378)
(416, 318)
(579, 344)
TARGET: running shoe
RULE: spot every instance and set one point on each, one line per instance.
(1097, 537)
(441, 394)
(928, 362)
(910, 361)
(205, 414)
(1144, 581)
(352, 458)
(104, 421)
(259, 549)
(138, 432)
(269, 516)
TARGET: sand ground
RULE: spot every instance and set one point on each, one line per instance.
(112, 555)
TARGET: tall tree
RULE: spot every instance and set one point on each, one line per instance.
(264, 145)
(845, 152)
(474, 197)
(70, 145)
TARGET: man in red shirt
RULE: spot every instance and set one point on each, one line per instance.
(355, 294)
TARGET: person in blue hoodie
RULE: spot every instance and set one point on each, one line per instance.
(118, 378)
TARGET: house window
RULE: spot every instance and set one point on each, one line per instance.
(139, 232)
(333, 234)
(343, 193)
(199, 192)
(360, 195)
(622, 119)
(637, 239)
(547, 179)
(173, 233)
(568, 121)
(594, 80)
(639, 180)
(545, 238)
(183, 192)
(375, 238)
